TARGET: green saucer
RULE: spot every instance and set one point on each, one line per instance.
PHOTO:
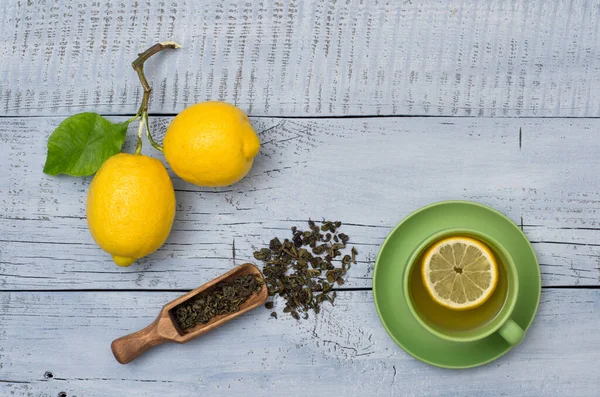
(392, 258)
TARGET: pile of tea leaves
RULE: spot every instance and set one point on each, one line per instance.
(224, 298)
(301, 270)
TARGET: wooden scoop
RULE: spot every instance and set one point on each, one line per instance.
(164, 328)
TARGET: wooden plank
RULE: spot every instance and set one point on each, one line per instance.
(305, 58)
(368, 173)
(345, 349)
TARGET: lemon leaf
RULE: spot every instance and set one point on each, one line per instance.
(82, 143)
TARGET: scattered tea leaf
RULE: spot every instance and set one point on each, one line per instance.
(294, 268)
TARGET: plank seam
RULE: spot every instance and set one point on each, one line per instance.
(183, 291)
(330, 117)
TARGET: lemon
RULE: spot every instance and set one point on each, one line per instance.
(459, 273)
(211, 144)
(130, 206)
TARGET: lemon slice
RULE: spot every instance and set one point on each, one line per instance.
(459, 273)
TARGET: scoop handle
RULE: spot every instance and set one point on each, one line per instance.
(127, 348)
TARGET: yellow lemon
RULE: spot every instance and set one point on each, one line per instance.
(211, 144)
(459, 273)
(130, 206)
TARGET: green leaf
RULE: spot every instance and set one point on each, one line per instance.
(82, 143)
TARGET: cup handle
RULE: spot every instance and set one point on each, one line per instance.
(511, 332)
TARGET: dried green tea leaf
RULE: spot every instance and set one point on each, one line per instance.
(223, 298)
(287, 271)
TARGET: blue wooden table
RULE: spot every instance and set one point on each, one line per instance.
(366, 111)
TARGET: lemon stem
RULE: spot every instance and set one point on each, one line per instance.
(138, 146)
(152, 141)
(138, 66)
(131, 120)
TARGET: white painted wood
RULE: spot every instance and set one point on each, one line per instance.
(303, 58)
(369, 173)
(344, 351)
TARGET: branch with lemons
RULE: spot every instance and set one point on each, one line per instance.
(131, 200)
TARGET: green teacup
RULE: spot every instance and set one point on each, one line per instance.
(473, 324)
